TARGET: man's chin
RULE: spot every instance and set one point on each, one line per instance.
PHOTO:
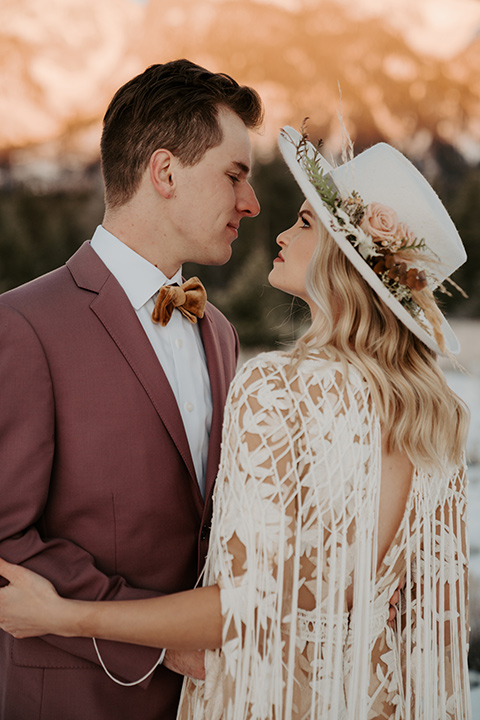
(218, 259)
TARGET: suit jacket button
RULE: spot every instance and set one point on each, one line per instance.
(204, 532)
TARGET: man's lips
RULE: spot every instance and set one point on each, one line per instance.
(234, 227)
(279, 258)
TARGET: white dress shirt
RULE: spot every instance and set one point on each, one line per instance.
(178, 346)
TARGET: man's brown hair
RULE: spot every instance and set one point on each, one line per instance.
(172, 106)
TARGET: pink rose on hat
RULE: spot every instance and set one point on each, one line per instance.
(406, 234)
(380, 222)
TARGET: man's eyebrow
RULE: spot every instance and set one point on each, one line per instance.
(241, 167)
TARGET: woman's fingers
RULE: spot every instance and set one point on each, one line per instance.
(392, 612)
(395, 598)
(26, 581)
(9, 571)
(28, 605)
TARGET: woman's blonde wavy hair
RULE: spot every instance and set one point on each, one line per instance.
(419, 414)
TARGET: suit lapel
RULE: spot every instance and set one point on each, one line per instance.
(219, 387)
(114, 311)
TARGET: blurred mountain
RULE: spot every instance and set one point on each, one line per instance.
(61, 61)
(441, 28)
(299, 57)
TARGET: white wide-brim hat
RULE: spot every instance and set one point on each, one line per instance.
(383, 175)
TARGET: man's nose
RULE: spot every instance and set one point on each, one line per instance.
(247, 202)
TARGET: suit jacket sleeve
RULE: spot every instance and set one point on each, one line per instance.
(27, 455)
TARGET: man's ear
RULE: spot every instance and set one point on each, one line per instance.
(161, 168)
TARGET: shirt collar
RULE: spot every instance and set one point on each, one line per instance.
(137, 276)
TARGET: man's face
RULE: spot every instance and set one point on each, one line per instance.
(212, 197)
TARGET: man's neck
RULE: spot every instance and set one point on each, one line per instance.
(132, 227)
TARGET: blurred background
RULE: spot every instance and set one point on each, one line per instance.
(408, 73)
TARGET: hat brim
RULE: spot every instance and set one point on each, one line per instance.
(288, 143)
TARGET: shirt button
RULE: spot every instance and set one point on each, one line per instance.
(178, 343)
(188, 407)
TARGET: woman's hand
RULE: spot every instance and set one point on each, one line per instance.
(29, 605)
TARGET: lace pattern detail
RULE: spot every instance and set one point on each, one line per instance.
(310, 630)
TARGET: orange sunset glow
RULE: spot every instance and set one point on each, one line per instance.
(407, 71)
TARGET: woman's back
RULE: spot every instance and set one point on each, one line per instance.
(395, 483)
(306, 577)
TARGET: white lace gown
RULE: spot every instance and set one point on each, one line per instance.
(294, 537)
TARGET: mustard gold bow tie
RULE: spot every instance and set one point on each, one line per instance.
(190, 298)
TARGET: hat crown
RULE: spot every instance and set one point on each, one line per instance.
(383, 175)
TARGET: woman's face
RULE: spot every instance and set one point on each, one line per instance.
(296, 249)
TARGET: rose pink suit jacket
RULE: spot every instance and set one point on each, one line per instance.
(97, 485)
